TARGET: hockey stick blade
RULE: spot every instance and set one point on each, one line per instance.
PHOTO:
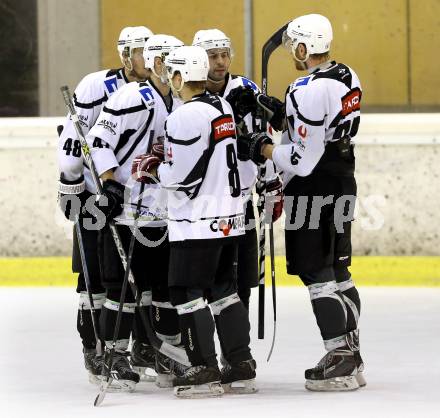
(273, 340)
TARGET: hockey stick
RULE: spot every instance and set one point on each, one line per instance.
(88, 286)
(268, 48)
(108, 360)
(86, 274)
(175, 353)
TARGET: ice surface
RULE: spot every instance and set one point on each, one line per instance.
(42, 373)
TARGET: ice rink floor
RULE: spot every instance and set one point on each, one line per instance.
(42, 373)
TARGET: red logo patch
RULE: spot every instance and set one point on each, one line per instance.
(224, 227)
(351, 102)
(223, 127)
(169, 153)
(302, 130)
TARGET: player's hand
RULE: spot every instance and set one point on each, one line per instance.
(274, 108)
(274, 198)
(112, 200)
(158, 151)
(144, 168)
(249, 147)
(243, 101)
(72, 196)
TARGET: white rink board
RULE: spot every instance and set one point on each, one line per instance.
(43, 375)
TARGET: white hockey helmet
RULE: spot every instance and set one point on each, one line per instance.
(212, 39)
(313, 30)
(190, 61)
(159, 46)
(132, 37)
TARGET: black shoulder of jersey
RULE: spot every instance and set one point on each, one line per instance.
(112, 72)
(211, 99)
(338, 72)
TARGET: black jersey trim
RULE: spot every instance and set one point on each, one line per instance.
(125, 111)
(301, 116)
(206, 219)
(170, 95)
(338, 72)
(212, 100)
(123, 139)
(138, 139)
(182, 141)
(90, 105)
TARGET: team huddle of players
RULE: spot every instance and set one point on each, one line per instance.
(179, 144)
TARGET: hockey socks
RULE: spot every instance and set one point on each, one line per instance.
(84, 322)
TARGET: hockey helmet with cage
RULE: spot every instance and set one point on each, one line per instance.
(212, 39)
(313, 30)
(190, 61)
(132, 37)
(159, 46)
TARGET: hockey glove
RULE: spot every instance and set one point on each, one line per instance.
(114, 192)
(275, 110)
(158, 151)
(242, 101)
(274, 199)
(143, 166)
(72, 196)
(249, 147)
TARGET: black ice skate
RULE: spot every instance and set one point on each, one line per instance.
(335, 372)
(93, 364)
(142, 360)
(239, 378)
(167, 369)
(123, 377)
(199, 382)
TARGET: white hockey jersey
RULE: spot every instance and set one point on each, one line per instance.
(129, 124)
(201, 171)
(248, 169)
(321, 107)
(89, 98)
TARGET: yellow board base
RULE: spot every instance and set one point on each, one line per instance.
(366, 271)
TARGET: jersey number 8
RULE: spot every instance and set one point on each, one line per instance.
(233, 176)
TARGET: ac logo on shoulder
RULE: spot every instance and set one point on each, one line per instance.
(223, 127)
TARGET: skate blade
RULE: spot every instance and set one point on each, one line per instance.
(335, 384)
(164, 380)
(207, 390)
(361, 380)
(145, 373)
(241, 387)
(121, 386)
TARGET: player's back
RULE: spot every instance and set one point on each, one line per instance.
(202, 175)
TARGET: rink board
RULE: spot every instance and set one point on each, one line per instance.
(367, 271)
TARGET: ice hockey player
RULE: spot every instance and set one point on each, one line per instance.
(132, 123)
(205, 219)
(76, 184)
(221, 82)
(316, 156)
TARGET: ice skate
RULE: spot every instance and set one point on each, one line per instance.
(199, 382)
(142, 360)
(123, 377)
(239, 378)
(163, 367)
(93, 364)
(335, 372)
